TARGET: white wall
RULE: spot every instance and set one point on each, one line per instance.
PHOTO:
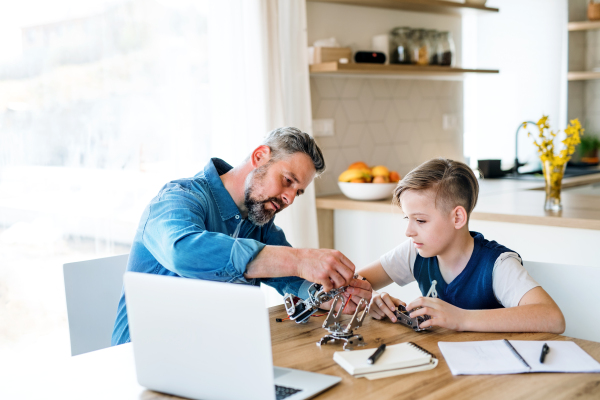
(526, 41)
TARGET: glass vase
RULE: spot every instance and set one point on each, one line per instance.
(553, 176)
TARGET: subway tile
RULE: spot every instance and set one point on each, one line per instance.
(353, 110)
(326, 88)
(379, 110)
(352, 88)
(366, 99)
(327, 108)
(354, 134)
(382, 88)
(379, 133)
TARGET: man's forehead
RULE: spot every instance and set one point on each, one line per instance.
(300, 167)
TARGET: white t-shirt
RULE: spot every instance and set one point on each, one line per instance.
(510, 280)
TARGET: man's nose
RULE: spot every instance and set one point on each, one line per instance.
(288, 197)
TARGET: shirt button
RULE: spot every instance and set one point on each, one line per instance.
(237, 217)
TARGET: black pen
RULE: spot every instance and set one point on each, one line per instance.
(545, 350)
(377, 354)
(516, 353)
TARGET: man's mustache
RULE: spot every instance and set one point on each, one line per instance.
(277, 201)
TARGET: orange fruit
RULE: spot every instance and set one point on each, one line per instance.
(359, 180)
(394, 176)
(358, 165)
(381, 179)
(380, 170)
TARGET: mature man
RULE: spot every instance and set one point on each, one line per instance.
(219, 226)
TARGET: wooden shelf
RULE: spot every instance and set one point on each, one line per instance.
(583, 26)
(583, 75)
(335, 67)
(430, 6)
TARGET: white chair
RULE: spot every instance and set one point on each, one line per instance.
(574, 289)
(93, 289)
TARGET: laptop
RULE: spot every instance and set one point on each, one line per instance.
(208, 340)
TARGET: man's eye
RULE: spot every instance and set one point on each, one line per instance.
(298, 193)
(288, 180)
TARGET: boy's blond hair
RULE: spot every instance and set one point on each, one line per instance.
(454, 183)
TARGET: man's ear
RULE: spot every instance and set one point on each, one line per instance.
(260, 156)
(459, 215)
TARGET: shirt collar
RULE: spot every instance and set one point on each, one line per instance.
(212, 172)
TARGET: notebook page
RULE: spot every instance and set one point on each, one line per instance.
(564, 356)
(488, 357)
(395, 356)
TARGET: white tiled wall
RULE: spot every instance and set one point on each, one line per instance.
(391, 122)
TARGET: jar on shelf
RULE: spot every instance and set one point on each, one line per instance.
(419, 53)
(433, 37)
(400, 45)
(446, 52)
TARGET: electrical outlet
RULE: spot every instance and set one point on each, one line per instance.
(323, 127)
(449, 122)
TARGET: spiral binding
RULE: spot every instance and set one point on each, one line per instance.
(422, 349)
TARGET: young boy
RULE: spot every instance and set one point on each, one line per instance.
(481, 285)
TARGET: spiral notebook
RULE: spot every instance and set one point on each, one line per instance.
(493, 357)
(402, 358)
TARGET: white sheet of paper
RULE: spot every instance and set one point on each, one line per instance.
(492, 357)
(563, 356)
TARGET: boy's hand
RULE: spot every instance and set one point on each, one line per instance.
(359, 289)
(383, 305)
(442, 313)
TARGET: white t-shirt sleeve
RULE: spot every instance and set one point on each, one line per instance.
(511, 280)
(399, 263)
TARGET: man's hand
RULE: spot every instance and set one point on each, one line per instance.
(383, 305)
(358, 289)
(329, 268)
(442, 313)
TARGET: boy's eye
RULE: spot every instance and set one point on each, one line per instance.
(405, 218)
(420, 221)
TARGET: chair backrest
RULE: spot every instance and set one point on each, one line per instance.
(574, 289)
(93, 289)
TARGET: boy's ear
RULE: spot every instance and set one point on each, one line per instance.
(260, 156)
(459, 214)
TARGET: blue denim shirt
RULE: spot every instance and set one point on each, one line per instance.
(193, 229)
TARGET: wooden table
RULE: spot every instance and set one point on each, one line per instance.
(109, 374)
(294, 346)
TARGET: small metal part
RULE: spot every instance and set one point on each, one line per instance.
(403, 318)
(345, 334)
(302, 310)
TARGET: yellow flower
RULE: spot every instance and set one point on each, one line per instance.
(546, 144)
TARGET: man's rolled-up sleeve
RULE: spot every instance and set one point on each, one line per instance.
(176, 236)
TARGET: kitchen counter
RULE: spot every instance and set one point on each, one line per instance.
(505, 200)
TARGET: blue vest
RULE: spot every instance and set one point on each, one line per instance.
(472, 289)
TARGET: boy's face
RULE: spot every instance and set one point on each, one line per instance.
(431, 228)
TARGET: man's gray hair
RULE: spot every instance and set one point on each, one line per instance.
(288, 140)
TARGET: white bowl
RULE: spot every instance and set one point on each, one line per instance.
(367, 191)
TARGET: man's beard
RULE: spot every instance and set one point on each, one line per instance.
(257, 213)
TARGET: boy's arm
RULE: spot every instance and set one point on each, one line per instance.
(536, 312)
(376, 275)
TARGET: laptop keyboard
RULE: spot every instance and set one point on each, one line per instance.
(282, 392)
